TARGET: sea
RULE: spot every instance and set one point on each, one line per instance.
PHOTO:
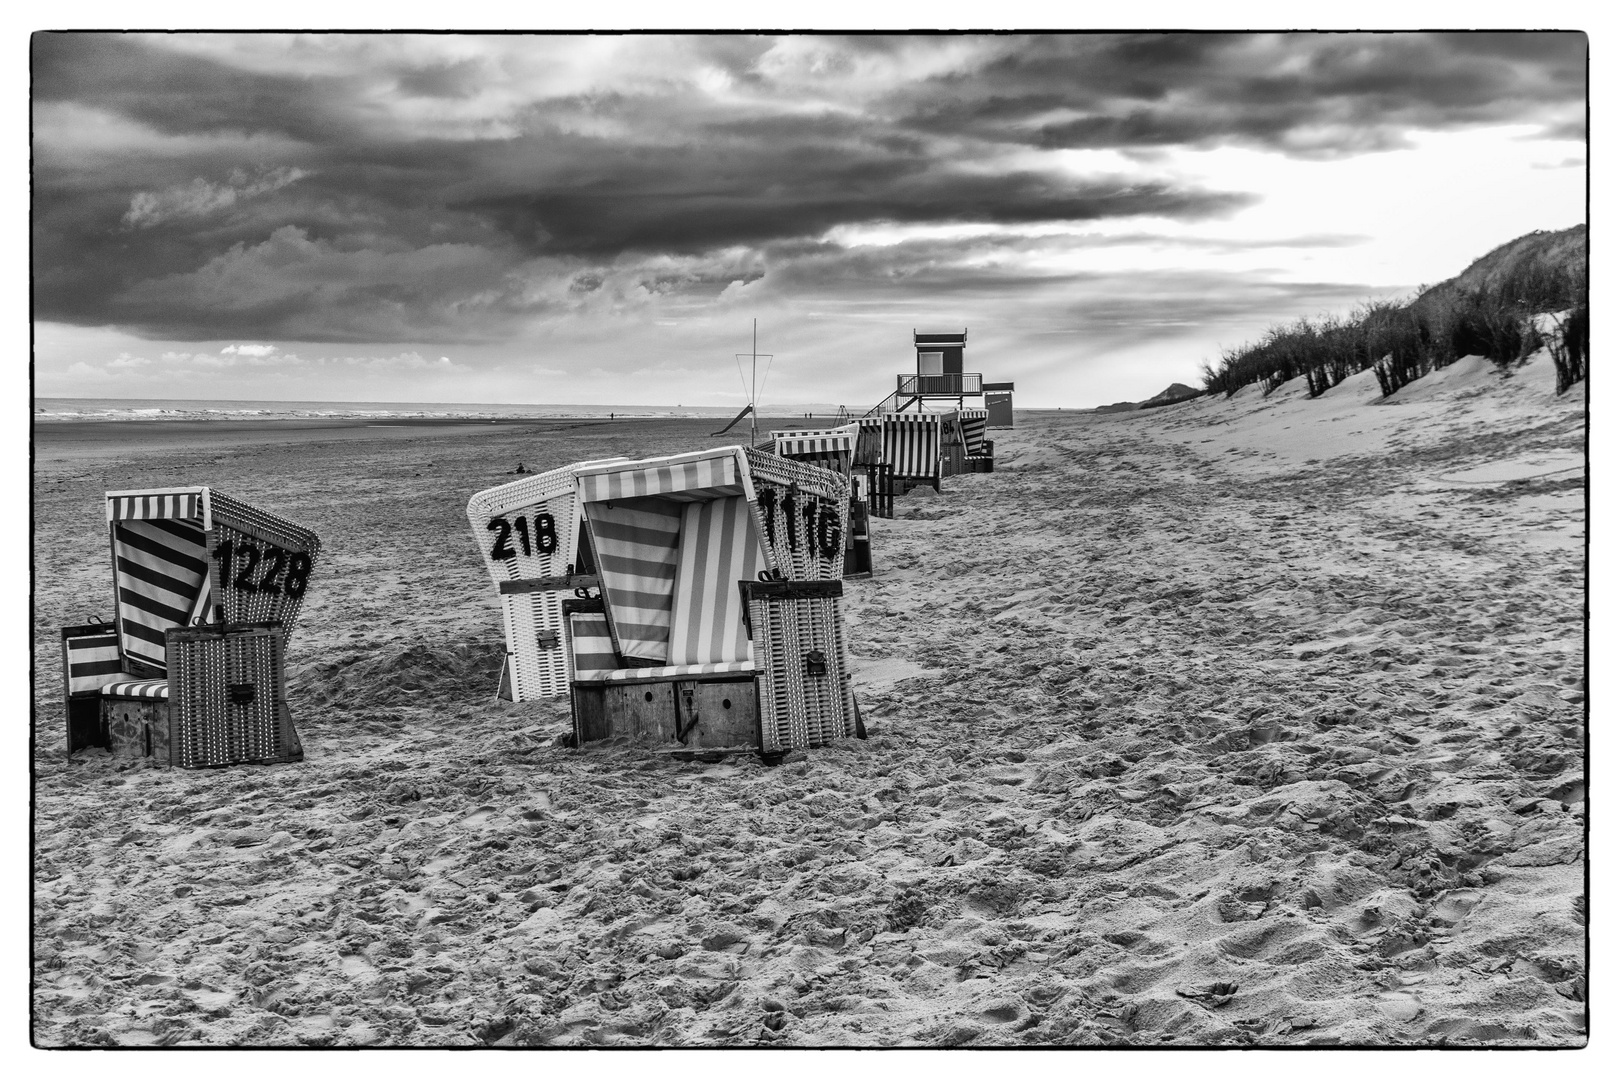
(47, 409)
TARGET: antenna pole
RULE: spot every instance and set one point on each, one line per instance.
(753, 417)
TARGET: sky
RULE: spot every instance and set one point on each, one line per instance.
(600, 219)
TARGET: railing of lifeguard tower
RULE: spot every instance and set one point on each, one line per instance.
(966, 383)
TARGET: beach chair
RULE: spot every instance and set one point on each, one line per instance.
(911, 448)
(868, 447)
(529, 534)
(980, 451)
(952, 444)
(191, 671)
(834, 449)
(719, 622)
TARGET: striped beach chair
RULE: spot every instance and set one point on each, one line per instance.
(911, 446)
(529, 534)
(825, 448)
(980, 450)
(868, 446)
(720, 622)
(952, 444)
(191, 670)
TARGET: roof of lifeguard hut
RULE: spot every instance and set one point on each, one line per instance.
(950, 338)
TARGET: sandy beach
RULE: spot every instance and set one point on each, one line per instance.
(1255, 721)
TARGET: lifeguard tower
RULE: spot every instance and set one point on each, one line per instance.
(941, 382)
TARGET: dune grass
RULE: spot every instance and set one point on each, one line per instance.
(1488, 310)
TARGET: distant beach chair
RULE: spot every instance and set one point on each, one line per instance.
(952, 444)
(912, 444)
(980, 450)
(834, 449)
(529, 534)
(191, 671)
(719, 623)
(868, 447)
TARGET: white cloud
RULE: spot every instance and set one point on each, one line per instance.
(201, 197)
(405, 361)
(249, 350)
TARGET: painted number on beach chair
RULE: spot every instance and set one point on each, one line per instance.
(545, 536)
(248, 576)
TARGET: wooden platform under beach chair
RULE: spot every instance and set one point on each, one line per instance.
(191, 671)
(529, 534)
(719, 621)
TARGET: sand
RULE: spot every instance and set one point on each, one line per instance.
(1248, 722)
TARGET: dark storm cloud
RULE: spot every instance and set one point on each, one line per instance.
(396, 189)
(1315, 95)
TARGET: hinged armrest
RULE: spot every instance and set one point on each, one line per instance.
(550, 584)
(784, 590)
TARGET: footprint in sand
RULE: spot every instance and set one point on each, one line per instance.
(478, 818)
(1399, 1006)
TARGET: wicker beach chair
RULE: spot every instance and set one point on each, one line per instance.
(529, 534)
(719, 621)
(191, 671)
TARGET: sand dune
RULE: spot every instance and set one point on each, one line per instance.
(1234, 722)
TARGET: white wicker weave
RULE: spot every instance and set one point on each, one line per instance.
(539, 664)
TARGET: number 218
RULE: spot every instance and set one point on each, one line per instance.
(545, 536)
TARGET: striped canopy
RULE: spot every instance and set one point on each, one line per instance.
(636, 544)
(181, 503)
(794, 444)
(719, 546)
(974, 423)
(706, 474)
(160, 567)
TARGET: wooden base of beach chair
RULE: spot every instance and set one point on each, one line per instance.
(138, 729)
(670, 714)
(85, 727)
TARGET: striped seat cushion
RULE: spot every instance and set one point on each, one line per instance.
(592, 646)
(150, 689)
(92, 661)
(719, 546)
(670, 671)
(635, 554)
